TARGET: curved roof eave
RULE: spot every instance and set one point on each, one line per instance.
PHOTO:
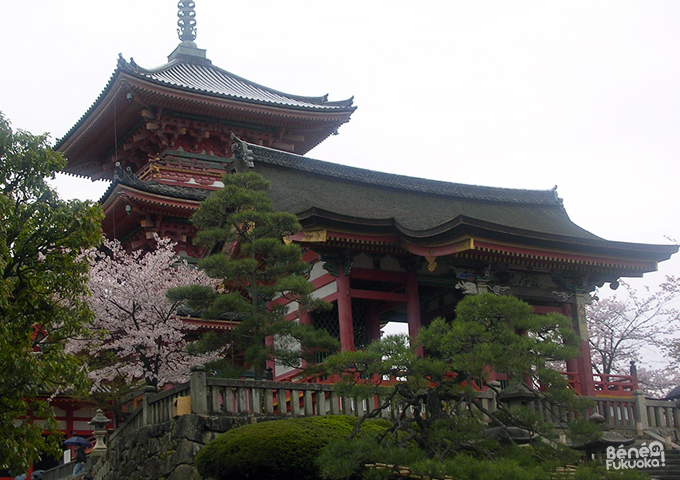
(220, 74)
(298, 102)
(439, 235)
(124, 72)
(456, 227)
(227, 102)
(98, 101)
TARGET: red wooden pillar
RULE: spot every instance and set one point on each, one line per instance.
(374, 323)
(345, 312)
(413, 308)
(69, 419)
(572, 365)
(584, 364)
(306, 319)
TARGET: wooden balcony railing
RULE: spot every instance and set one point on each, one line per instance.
(615, 385)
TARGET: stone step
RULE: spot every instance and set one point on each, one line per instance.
(671, 470)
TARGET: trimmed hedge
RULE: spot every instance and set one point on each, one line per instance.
(277, 449)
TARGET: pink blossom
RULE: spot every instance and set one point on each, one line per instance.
(134, 320)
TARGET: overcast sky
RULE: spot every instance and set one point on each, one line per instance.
(584, 95)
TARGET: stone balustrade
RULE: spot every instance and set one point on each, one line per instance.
(203, 395)
(244, 401)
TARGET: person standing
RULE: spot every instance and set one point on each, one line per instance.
(81, 459)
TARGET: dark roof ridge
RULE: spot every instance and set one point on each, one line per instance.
(403, 182)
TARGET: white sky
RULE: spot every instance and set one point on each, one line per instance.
(582, 94)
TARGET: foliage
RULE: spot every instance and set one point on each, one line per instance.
(348, 459)
(275, 450)
(42, 285)
(259, 272)
(137, 336)
(623, 327)
(438, 417)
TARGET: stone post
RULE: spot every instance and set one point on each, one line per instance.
(146, 411)
(641, 421)
(199, 390)
(493, 402)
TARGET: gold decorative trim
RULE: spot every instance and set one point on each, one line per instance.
(315, 236)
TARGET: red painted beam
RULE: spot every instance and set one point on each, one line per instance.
(384, 296)
(323, 280)
(378, 275)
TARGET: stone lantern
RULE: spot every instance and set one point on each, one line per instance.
(513, 396)
(517, 395)
(99, 423)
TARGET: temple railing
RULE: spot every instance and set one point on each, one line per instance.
(605, 385)
(614, 385)
(203, 395)
(155, 408)
(662, 414)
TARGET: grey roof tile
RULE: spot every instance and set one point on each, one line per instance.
(403, 182)
(212, 80)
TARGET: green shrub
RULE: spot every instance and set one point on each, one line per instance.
(347, 460)
(275, 450)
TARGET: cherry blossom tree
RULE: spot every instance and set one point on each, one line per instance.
(137, 336)
(634, 327)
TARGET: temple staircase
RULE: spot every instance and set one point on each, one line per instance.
(671, 470)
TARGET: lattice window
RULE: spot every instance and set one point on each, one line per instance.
(328, 320)
(362, 335)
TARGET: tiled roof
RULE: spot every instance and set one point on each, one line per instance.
(418, 208)
(403, 182)
(211, 80)
(126, 177)
(193, 86)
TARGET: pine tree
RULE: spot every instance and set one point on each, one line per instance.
(438, 419)
(260, 272)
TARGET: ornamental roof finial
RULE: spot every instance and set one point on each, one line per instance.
(187, 21)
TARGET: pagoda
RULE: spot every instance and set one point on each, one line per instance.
(171, 126)
(381, 247)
